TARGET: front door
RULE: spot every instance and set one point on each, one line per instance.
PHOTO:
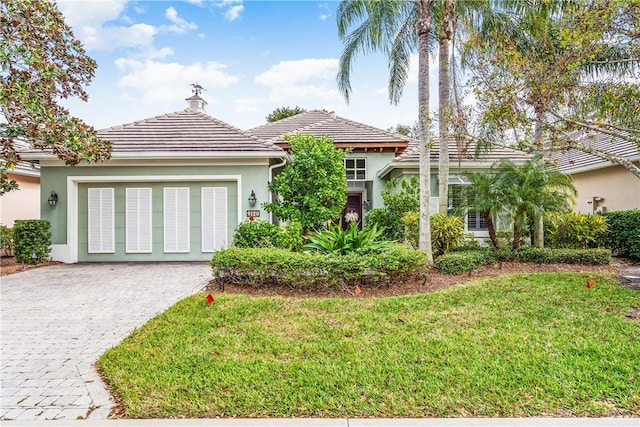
(354, 205)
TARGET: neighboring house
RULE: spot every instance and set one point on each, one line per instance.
(25, 202)
(177, 185)
(602, 186)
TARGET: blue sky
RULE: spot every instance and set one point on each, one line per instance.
(250, 56)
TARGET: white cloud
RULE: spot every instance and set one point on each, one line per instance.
(109, 38)
(180, 26)
(234, 12)
(324, 16)
(233, 9)
(81, 13)
(306, 77)
(168, 82)
(196, 2)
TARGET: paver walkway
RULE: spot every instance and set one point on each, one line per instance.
(56, 321)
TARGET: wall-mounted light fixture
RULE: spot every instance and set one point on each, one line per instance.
(366, 204)
(252, 199)
(53, 199)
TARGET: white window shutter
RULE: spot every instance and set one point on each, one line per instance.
(101, 232)
(176, 219)
(214, 218)
(138, 220)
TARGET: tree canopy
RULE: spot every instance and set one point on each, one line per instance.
(312, 189)
(283, 112)
(547, 76)
(41, 63)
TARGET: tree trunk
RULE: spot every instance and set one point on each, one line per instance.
(493, 236)
(538, 231)
(444, 104)
(517, 236)
(424, 28)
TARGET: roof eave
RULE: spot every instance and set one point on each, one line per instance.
(132, 155)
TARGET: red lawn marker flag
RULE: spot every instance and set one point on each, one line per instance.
(210, 299)
(588, 284)
(357, 290)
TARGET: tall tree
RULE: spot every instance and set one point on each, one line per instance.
(283, 112)
(397, 29)
(42, 62)
(447, 23)
(563, 67)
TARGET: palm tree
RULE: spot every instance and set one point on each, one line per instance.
(483, 194)
(533, 190)
(395, 28)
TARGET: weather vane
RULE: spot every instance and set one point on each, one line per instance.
(197, 89)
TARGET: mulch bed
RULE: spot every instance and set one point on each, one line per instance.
(433, 282)
(8, 265)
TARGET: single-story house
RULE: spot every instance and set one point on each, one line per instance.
(602, 186)
(177, 185)
(23, 203)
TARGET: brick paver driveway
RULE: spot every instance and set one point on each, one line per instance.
(56, 321)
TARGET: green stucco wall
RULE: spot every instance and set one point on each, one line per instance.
(54, 178)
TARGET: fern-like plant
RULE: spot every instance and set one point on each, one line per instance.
(335, 240)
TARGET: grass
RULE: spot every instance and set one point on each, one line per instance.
(518, 345)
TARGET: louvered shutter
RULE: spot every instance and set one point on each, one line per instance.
(100, 221)
(176, 219)
(138, 220)
(214, 218)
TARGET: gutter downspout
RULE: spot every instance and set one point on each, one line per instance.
(271, 168)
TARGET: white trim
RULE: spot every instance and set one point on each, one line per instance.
(69, 253)
(171, 155)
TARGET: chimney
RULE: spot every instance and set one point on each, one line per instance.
(196, 103)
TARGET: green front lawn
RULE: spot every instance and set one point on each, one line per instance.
(519, 345)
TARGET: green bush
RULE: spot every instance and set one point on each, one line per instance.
(460, 262)
(387, 221)
(6, 240)
(623, 233)
(337, 241)
(574, 230)
(562, 256)
(32, 240)
(299, 270)
(263, 234)
(447, 232)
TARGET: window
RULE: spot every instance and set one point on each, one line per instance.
(356, 169)
(176, 219)
(100, 237)
(473, 220)
(214, 218)
(138, 220)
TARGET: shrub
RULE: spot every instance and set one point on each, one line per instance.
(299, 270)
(387, 221)
(6, 240)
(335, 240)
(263, 234)
(562, 256)
(574, 230)
(623, 233)
(447, 232)
(32, 240)
(460, 262)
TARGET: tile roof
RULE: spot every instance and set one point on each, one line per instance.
(466, 154)
(575, 160)
(345, 133)
(182, 131)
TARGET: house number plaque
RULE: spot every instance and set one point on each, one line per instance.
(253, 213)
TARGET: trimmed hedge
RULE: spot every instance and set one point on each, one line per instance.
(463, 261)
(6, 240)
(271, 266)
(32, 240)
(623, 233)
(263, 234)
